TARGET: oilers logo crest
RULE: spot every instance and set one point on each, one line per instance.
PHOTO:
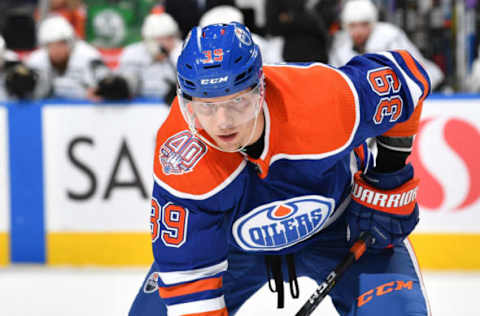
(243, 36)
(281, 224)
(181, 152)
(151, 285)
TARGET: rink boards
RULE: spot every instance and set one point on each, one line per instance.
(75, 181)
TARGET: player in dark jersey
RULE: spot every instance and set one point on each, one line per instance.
(266, 168)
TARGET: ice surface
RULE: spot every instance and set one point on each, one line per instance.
(39, 291)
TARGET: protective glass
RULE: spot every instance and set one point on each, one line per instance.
(235, 111)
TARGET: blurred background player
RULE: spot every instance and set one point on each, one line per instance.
(253, 172)
(363, 33)
(472, 80)
(150, 65)
(304, 26)
(187, 13)
(74, 11)
(271, 48)
(71, 68)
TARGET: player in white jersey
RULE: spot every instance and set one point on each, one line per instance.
(69, 67)
(150, 65)
(362, 33)
(271, 48)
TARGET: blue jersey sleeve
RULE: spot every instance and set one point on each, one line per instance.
(190, 247)
(389, 89)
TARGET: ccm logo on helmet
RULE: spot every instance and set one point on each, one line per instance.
(280, 224)
(214, 80)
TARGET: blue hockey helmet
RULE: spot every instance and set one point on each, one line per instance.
(219, 60)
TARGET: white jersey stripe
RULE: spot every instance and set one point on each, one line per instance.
(415, 90)
(191, 275)
(411, 252)
(206, 195)
(196, 307)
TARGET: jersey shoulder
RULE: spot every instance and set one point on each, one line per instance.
(316, 104)
(135, 52)
(341, 39)
(84, 51)
(187, 167)
(11, 56)
(38, 58)
(387, 29)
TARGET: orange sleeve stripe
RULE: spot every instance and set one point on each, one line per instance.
(407, 128)
(189, 288)
(410, 127)
(220, 312)
(416, 72)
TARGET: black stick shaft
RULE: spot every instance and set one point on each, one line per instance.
(355, 252)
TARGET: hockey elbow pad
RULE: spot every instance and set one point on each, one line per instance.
(114, 88)
(385, 205)
(20, 81)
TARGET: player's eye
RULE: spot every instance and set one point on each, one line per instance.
(205, 108)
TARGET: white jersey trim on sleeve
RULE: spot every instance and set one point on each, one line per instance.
(206, 195)
(402, 149)
(413, 257)
(196, 307)
(415, 90)
(352, 134)
(191, 275)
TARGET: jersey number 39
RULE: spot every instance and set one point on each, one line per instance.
(384, 82)
(173, 218)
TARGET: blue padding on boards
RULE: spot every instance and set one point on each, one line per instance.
(27, 229)
(389, 294)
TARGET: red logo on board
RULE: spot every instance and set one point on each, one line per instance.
(456, 142)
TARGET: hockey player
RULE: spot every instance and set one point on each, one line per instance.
(71, 68)
(362, 33)
(150, 65)
(270, 48)
(267, 165)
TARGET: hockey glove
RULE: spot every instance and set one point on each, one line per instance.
(385, 205)
(20, 81)
(114, 88)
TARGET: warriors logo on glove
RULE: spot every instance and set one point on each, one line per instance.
(385, 205)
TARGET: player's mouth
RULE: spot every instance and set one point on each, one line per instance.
(227, 137)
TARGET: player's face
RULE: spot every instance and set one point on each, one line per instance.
(359, 32)
(230, 120)
(58, 52)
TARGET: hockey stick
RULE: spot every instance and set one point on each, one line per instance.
(355, 252)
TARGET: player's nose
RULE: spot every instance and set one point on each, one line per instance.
(224, 118)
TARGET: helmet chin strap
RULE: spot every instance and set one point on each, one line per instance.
(196, 134)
